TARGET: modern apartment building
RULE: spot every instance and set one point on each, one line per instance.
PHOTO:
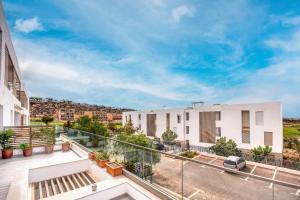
(14, 103)
(249, 125)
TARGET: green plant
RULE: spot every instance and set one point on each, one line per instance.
(128, 127)
(48, 135)
(101, 156)
(260, 153)
(47, 119)
(189, 154)
(169, 136)
(226, 148)
(25, 146)
(5, 138)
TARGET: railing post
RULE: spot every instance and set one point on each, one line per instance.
(30, 136)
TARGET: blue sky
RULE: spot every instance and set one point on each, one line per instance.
(154, 53)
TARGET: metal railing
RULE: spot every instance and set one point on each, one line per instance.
(185, 177)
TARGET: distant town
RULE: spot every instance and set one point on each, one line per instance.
(66, 110)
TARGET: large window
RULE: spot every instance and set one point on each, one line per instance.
(178, 119)
(218, 115)
(268, 138)
(168, 121)
(187, 116)
(246, 126)
(259, 118)
(187, 130)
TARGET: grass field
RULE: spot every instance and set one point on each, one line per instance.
(291, 131)
(50, 124)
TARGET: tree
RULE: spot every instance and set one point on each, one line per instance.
(297, 146)
(226, 148)
(128, 127)
(169, 136)
(260, 153)
(47, 119)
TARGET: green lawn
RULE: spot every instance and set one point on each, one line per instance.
(51, 123)
(291, 131)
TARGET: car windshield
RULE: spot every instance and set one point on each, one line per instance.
(229, 162)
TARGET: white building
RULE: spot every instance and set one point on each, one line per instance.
(249, 125)
(14, 102)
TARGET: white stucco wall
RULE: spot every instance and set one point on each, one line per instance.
(8, 102)
(230, 123)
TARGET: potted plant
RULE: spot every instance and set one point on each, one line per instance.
(114, 168)
(49, 137)
(92, 155)
(27, 149)
(102, 158)
(5, 139)
(65, 146)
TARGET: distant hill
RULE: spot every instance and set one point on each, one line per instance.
(49, 107)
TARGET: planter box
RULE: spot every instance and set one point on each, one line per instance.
(65, 146)
(114, 168)
(27, 152)
(102, 163)
(7, 153)
(49, 148)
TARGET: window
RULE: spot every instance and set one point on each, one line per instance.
(187, 116)
(140, 117)
(259, 118)
(268, 138)
(187, 130)
(218, 131)
(140, 127)
(168, 121)
(218, 115)
(129, 117)
(178, 119)
(246, 126)
(126, 118)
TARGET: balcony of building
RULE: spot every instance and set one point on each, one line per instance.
(147, 172)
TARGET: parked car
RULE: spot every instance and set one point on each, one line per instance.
(157, 145)
(234, 162)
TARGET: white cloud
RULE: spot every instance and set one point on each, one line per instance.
(291, 45)
(28, 25)
(181, 11)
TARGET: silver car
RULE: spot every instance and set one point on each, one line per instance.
(234, 162)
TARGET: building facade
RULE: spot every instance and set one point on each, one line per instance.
(249, 125)
(14, 102)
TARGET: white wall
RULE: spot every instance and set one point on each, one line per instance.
(8, 101)
(230, 123)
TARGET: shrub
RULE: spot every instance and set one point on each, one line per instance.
(189, 154)
(260, 153)
(169, 136)
(226, 148)
(101, 156)
(47, 119)
(25, 146)
(5, 138)
(48, 135)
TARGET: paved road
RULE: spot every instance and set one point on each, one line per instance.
(202, 182)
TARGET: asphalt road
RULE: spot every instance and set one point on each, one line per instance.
(202, 182)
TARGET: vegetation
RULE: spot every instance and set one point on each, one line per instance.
(47, 119)
(48, 135)
(291, 131)
(260, 153)
(25, 146)
(169, 137)
(128, 127)
(5, 138)
(226, 148)
(189, 154)
(101, 156)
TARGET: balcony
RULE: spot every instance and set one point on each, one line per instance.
(148, 173)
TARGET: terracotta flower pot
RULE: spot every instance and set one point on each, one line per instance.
(92, 156)
(49, 148)
(102, 163)
(7, 153)
(114, 168)
(27, 152)
(65, 146)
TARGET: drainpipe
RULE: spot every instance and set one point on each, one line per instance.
(184, 128)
